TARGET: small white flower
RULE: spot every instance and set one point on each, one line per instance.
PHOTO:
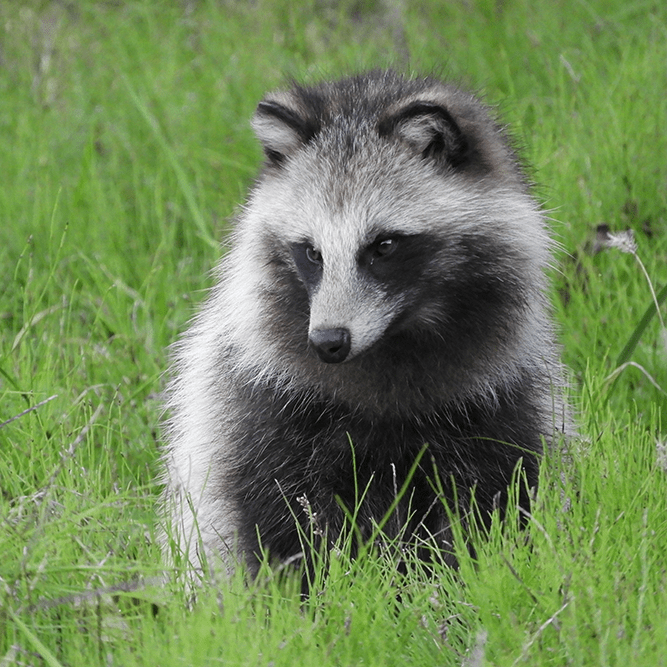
(624, 241)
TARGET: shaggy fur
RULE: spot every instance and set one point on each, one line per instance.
(385, 287)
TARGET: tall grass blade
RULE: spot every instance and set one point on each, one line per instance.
(44, 652)
(636, 335)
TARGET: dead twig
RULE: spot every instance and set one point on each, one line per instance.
(25, 412)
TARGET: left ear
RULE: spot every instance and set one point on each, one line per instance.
(282, 128)
(430, 130)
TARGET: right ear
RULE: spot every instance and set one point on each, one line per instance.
(430, 129)
(281, 130)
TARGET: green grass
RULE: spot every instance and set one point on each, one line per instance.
(125, 148)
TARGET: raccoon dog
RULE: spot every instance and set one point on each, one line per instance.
(384, 291)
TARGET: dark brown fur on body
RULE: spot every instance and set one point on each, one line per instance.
(386, 287)
(468, 443)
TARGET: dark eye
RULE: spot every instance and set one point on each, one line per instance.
(309, 264)
(383, 248)
(314, 256)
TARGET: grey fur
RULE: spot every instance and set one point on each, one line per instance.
(350, 165)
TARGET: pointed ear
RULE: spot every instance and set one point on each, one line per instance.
(430, 130)
(281, 130)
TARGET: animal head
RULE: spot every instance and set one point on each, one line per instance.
(390, 237)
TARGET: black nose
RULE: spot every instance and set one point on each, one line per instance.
(331, 345)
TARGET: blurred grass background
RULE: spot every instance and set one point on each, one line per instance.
(125, 149)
